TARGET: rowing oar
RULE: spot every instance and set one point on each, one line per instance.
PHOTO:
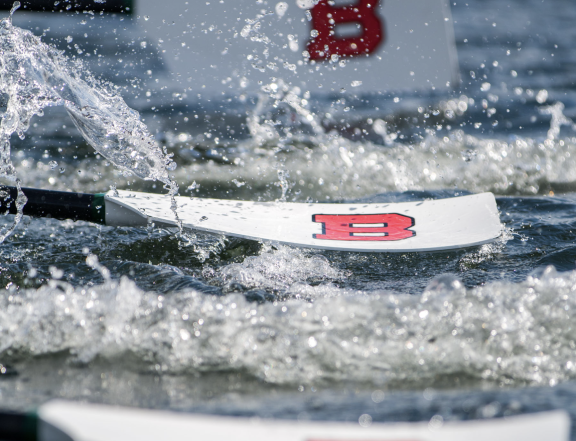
(67, 421)
(429, 225)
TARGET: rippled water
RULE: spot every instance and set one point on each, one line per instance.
(221, 325)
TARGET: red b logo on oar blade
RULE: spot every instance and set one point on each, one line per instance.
(325, 19)
(364, 226)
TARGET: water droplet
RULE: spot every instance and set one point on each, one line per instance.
(281, 8)
(365, 420)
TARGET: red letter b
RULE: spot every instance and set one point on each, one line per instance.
(364, 226)
(325, 18)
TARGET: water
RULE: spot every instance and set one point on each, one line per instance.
(227, 326)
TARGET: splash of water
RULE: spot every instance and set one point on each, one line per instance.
(501, 333)
(330, 166)
(34, 75)
(290, 107)
(557, 119)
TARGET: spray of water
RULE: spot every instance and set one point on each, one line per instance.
(34, 75)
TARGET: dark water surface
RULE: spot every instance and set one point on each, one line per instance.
(229, 326)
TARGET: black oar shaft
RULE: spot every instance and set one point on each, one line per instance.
(16, 426)
(55, 204)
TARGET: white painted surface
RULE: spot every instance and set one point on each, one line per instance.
(87, 422)
(202, 41)
(438, 224)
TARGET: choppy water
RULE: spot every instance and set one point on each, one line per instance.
(210, 324)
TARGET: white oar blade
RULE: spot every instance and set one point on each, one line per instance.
(441, 224)
(89, 422)
(393, 44)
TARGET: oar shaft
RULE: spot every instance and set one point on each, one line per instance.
(16, 426)
(55, 204)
